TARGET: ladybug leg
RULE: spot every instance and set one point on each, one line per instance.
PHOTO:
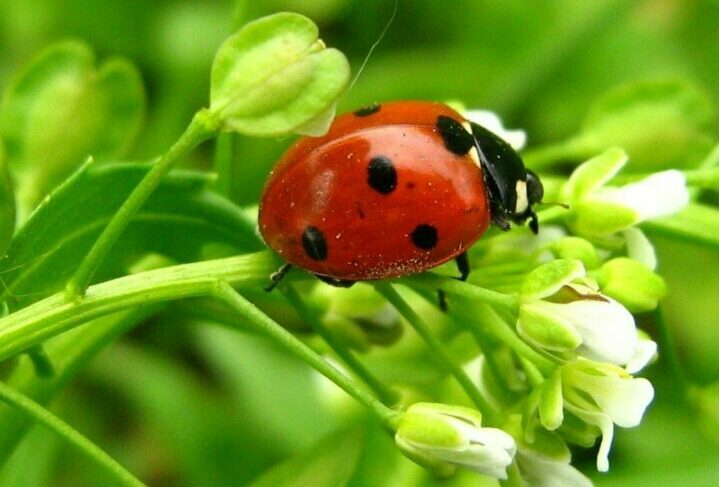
(533, 223)
(462, 266)
(442, 299)
(333, 281)
(277, 276)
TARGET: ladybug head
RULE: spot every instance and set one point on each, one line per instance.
(528, 192)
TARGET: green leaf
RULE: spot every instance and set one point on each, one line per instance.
(62, 109)
(7, 204)
(548, 278)
(275, 76)
(181, 221)
(661, 124)
(594, 173)
(328, 464)
(551, 402)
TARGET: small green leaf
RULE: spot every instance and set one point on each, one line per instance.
(7, 204)
(661, 124)
(276, 76)
(50, 245)
(548, 278)
(594, 173)
(541, 327)
(551, 402)
(61, 109)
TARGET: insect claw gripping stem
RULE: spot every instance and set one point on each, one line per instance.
(277, 276)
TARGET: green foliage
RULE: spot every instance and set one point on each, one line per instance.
(183, 402)
(182, 220)
(62, 101)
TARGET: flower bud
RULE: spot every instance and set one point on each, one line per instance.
(561, 311)
(631, 283)
(597, 211)
(442, 438)
(275, 76)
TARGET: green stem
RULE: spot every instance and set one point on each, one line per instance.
(496, 326)
(501, 385)
(385, 393)
(53, 315)
(292, 344)
(668, 351)
(42, 363)
(453, 286)
(534, 376)
(67, 432)
(514, 476)
(202, 127)
(703, 178)
(224, 164)
(440, 352)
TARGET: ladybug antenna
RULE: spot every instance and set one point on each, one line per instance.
(376, 43)
(552, 203)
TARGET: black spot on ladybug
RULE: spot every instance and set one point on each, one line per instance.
(313, 241)
(410, 185)
(424, 236)
(368, 110)
(381, 174)
(456, 138)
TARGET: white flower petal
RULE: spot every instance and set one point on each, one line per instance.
(660, 194)
(491, 121)
(539, 471)
(644, 352)
(604, 423)
(624, 400)
(607, 329)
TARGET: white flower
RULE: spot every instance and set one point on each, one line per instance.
(442, 437)
(542, 471)
(604, 395)
(598, 210)
(562, 311)
(660, 194)
(491, 121)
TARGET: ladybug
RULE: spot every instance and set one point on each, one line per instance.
(391, 190)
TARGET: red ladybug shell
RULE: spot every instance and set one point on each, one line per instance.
(384, 193)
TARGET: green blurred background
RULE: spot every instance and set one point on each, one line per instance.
(183, 403)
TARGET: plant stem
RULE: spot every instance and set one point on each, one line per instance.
(453, 286)
(202, 127)
(292, 344)
(514, 476)
(534, 376)
(53, 315)
(500, 329)
(668, 351)
(385, 393)
(224, 164)
(440, 352)
(67, 432)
